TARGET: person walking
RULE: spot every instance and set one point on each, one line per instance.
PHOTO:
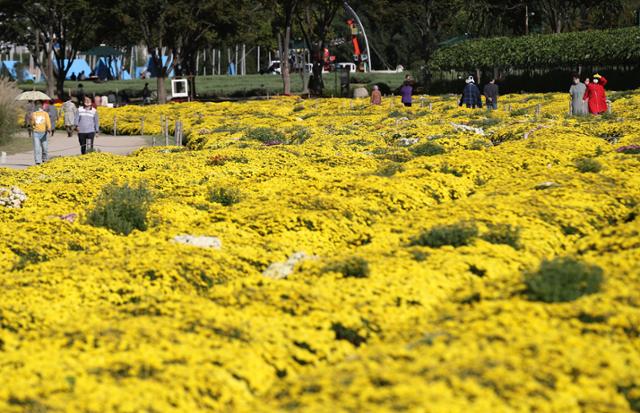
(87, 124)
(471, 95)
(146, 94)
(41, 125)
(376, 96)
(577, 91)
(491, 93)
(70, 110)
(51, 109)
(406, 91)
(596, 95)
(80, 94)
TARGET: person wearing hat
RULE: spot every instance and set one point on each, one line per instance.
(41, 124)
(596, 95)
(471, 94)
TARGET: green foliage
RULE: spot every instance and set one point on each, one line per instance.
(352, 267)
(8, 114)
(428, 149)
(225, 196)
(597, 47)
(121, 208)
(265, 135)
(456, 235)
(451, 170)
(563, 279)
(586, 165)
(389, 169)
(503, 234)
(299, 135)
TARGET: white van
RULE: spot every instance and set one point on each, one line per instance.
(347, 65)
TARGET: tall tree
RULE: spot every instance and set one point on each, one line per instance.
(316, 18)
(284, 12)
(54, 32)
(151, 21)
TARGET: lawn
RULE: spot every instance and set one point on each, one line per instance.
(227, 85)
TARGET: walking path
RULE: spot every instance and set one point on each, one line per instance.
(61, 145)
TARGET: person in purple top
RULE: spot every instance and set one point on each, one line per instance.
(406, 91)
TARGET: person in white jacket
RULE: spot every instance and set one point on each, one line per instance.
(87, 125)
(70, 110)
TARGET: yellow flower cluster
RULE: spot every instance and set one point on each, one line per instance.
(91, 321)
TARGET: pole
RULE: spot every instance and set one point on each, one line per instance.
(364, 34)
(244, 59)
(235, 63)
(219, 58)
(204, 62)
(258, 64)
(115, 126)
(213, 65)
(526, 19)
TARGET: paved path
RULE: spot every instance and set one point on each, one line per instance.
(61, 145)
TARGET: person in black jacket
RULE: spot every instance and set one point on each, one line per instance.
(471, 94)
(491, 93)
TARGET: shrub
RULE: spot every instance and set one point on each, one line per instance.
(503, 234)
(8, 110)
(452, 170)
(299, 135)
(224, 196)
(428, 149)
(456, 235)
(389, 169)
(265, 135)
(121, 208)
(217, 160)
(563, 279)
(353, 267)
(585, 165)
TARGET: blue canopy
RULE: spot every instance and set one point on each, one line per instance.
(104, 70)
(155, 71)
(10, 67)
(78, 65)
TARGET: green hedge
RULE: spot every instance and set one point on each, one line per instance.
(602, 47)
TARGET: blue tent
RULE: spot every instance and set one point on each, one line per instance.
(10, 66)
(78, 65)
(139, 71)
(155, 71)
(103, 70)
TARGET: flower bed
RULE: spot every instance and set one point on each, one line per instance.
(382, 260)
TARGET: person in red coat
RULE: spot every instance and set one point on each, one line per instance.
(596, 95)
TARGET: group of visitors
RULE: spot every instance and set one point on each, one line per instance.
(42, 116)
(588, 97)
(472, 98)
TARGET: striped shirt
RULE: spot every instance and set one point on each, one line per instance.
(87, 120)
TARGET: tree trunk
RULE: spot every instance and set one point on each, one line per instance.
(284, 60)
(162, 92)
(51, 80)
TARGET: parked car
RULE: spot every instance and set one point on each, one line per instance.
(347, 65)
(273, 68)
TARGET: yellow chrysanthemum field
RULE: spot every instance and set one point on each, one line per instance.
(366, 259)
